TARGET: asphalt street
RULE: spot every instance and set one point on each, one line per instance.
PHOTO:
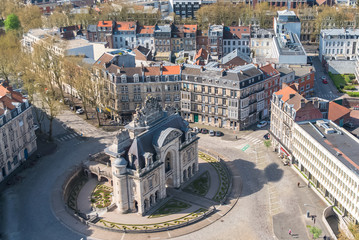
(326, 91)
(270, 202)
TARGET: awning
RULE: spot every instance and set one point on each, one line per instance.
(282, 149)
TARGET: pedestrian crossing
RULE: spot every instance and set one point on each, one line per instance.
(328, 96)
(67, 137)
(253, 139)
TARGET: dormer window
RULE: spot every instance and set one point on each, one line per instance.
(167, 78)
(157, 78)
(136, 78)
(123, 78)
(148, 79)
(176, 77)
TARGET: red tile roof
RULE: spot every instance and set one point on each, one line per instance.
(152, 71)
(337, 111)
(238, 31)
(269, 71)
(171, 70)
(104, 24)
(201, 53)
(146, 29)
(126, 26)
(286, 92)
(189, 28)
(105, 58)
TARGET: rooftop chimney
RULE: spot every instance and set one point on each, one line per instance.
(302, 103)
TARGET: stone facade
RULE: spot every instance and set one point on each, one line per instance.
(17, 135)
(154, 152)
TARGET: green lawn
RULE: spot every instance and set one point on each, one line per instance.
(170, 207)
(200, 186)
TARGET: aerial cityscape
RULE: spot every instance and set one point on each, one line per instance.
(179, 119)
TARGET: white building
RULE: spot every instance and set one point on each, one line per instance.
(145, 37)
(328, 155)
(287, 22)
(124, 35)
(287, 49)
(236, 38)
(261, 45)
(156, 151)
(338, 44)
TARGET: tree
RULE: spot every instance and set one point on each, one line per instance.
(9, 52)
(30, 17)
(316, 232)
(12, 22)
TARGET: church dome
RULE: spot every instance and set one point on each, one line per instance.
(120, 162)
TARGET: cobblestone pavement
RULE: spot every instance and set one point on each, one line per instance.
(270, 201)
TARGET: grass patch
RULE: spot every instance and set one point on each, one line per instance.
(101, 196)
(200, 186)
(170, 207)
(343, 82)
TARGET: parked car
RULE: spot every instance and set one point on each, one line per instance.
(219, 134)
(325, 81)
(266, 136)
(204, 131)
(79, 111)
(262, 124)
(196, 130)
(211, 133)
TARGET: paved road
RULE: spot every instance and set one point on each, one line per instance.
(325, 91)
(269, 205)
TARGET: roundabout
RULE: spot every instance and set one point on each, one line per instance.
(202, 197)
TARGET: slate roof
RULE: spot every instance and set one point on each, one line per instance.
(144, 142)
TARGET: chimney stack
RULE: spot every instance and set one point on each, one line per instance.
(302, 102)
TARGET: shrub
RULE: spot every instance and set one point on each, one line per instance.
(353, 94)
(349, 87)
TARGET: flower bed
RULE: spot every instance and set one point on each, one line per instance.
(101, 196)
(223, 177)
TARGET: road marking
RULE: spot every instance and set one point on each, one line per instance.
(245, 147)
(170, 234)
(123, 236)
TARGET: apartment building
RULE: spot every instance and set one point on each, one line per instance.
(162, 37)
(271, 78)
(124, 35)
(338, 44)
(328, 155)
(215, 41)
(187, 8)
(287, 22)
(18, 139)
(288, 107)
(261, 45)
(145, 37)
(129, 86)
(229, 98)
(236, 38)
(183, 38)
(104, 32)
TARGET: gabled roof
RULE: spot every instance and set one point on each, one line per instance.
(125, 26)
(202, 53)
(152, 71)
(236, 61)
(269, 71)
(8, 97)
(337, 111)
(189, 28)
(105, 58)
(286, 92)
(146, 29)
(105, 24)
(143, 50)
(236, 32)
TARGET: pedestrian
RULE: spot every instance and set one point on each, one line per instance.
(236, 137)
(314, 219)
(308, 184)
(298, 184)
(325, 237)
(290, 232)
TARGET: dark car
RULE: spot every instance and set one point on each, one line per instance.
(267, 136)
(204, 131)
(218, 133)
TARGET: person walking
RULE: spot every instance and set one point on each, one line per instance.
(290, 232)
(298, 184)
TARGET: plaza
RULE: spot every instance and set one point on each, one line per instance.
(269, 203)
